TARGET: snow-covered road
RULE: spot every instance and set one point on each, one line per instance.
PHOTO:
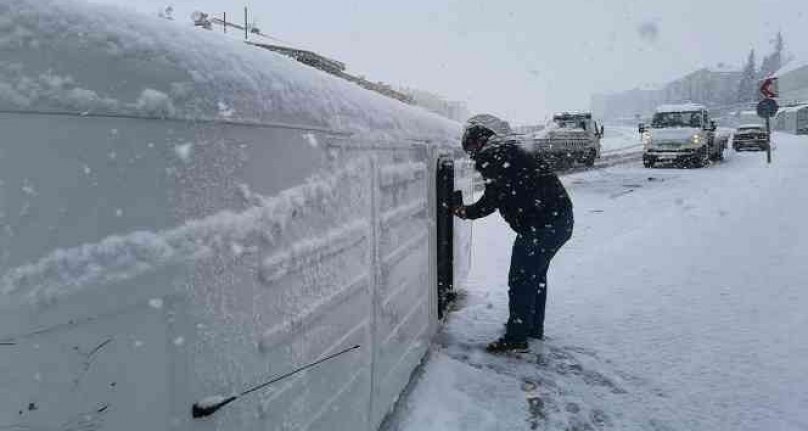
(620, 139)
(679, 304)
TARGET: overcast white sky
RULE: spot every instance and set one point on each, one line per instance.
(521, 59)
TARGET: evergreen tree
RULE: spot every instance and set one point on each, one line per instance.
(774, 61)
(746, 85)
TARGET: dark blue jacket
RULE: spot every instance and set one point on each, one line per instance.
(527, 193)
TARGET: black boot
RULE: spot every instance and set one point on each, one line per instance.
(536, 334)
(503, 345)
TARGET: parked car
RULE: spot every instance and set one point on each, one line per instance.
(750, 136)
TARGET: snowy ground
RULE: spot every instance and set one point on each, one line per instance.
(620, 139)
(679, 304)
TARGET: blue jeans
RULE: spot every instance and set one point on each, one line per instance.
(527, 279)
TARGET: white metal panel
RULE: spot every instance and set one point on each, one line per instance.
(402, 309)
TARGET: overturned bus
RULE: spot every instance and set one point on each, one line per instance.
(184, 216)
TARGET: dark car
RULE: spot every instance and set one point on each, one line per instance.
(750, 137)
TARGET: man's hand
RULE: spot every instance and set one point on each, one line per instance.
(459, 212)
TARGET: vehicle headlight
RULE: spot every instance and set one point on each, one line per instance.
(696, 139)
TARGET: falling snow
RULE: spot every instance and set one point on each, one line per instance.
(183, 151)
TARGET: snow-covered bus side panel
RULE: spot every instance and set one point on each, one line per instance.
(83, 324)
(405, 299)
(148, 264)
(308, 297)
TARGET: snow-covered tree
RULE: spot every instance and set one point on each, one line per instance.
(774, 61)
(746, 85)
(166, 13)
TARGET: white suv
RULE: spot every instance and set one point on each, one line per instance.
(680, 134)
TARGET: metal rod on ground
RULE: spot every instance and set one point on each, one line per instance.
(198, 410)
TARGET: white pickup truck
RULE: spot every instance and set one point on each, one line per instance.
(683, 135)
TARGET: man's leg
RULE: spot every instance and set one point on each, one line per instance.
(537, 330)
(522, 290)
(550, 241)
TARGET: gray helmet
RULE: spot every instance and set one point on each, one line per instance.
(480, 129)
(490, 122)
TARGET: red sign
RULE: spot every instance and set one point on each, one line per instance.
(768, 88)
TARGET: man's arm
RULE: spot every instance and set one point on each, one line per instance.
(483, 207)
(491, 163)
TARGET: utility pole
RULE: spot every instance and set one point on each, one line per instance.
(767, 108)
(768, 141)
(246, 32)
(224, 21)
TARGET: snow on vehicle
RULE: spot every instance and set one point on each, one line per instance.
(570, 137)
(749, 117)
(681, 134)
(183, 216)
(750, 136)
